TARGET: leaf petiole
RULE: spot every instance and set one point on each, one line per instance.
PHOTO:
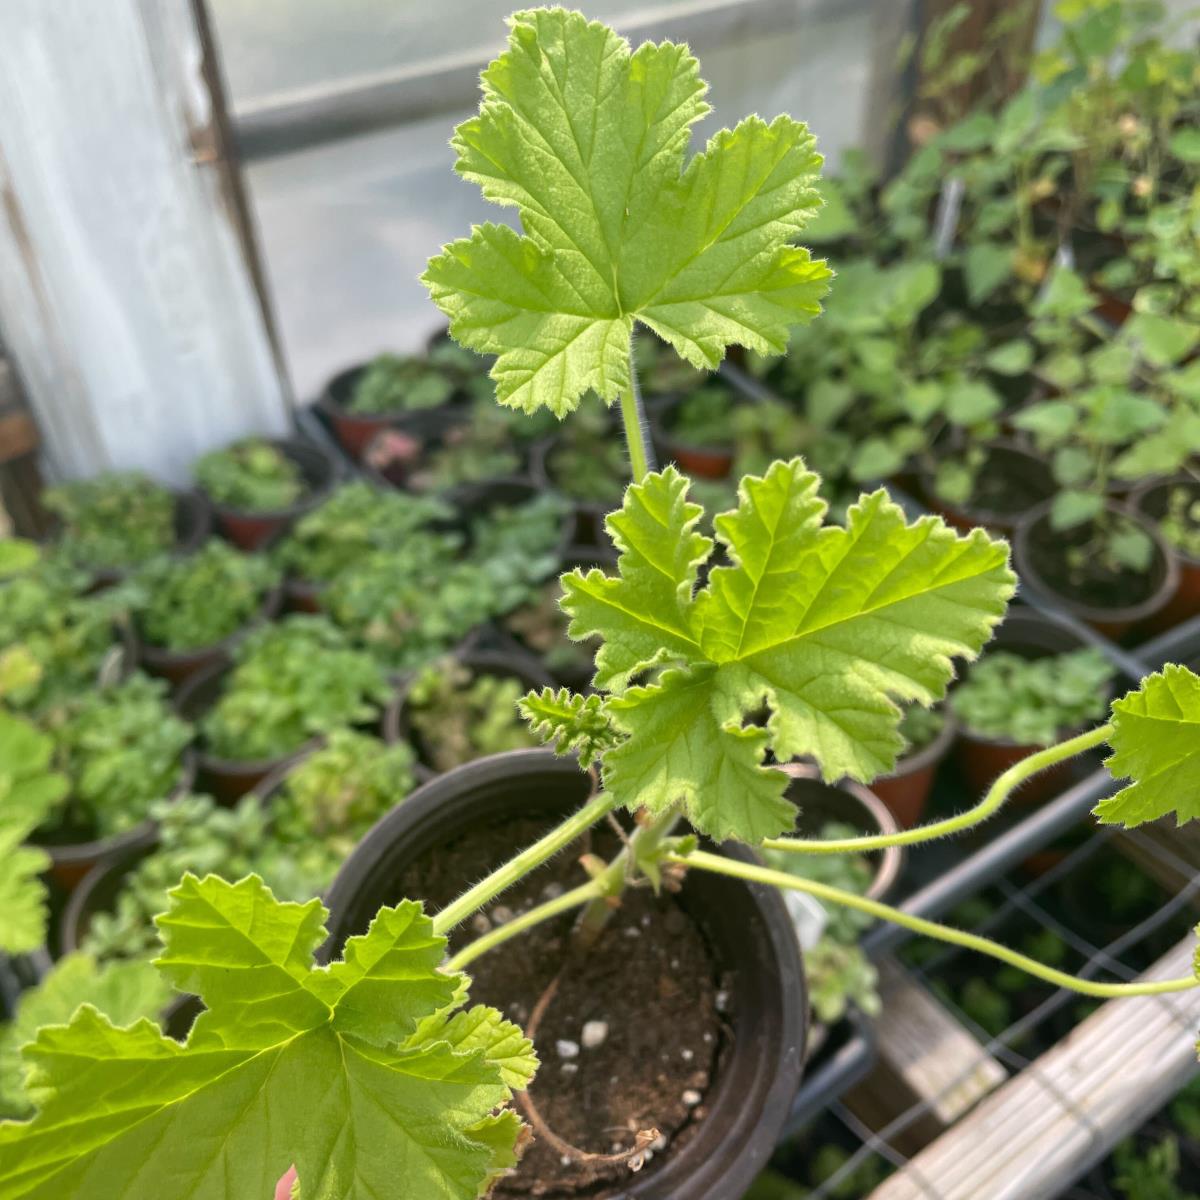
(993, 801)
(535, 916)
(943, 933)
(529, 859)
(641, 457)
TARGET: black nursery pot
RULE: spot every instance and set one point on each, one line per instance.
(1013, 479)
(227, 780)
(507, 664)
(746, 927)
(1036, 544)
(698, 461)
(249, 530)
(589, 531)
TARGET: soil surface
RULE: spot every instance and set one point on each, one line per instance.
(651, 981)
(1092, 583)
(1010, 483)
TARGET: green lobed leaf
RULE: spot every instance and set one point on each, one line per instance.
(821, 629)
(588, 141)
(338, 1070)
(29, 790)
(575, 724)
(1156, 744)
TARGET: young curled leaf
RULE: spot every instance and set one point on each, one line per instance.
(358, 1073)
(588, 140)
(805, 645)
(1156, 745)
(575, 724)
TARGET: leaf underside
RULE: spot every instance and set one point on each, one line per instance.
(589, 141)
(359, 1073)
(804, 646)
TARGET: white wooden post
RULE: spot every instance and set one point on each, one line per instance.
(127, 295)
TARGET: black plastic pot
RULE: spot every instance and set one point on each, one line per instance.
(178, 666)
(227, 780)
(1112, 622)
(354, 431)
(746, 927)
(1150, 501)
(248, 529)
(1031, 476)
(507, 664)
(820, 802)
(71, 862)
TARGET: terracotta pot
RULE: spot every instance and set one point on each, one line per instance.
(746, 927)
(1112, 622)
(1150, 501)
(906, 790)
(249, 530)
(700, 462)
(226, 780)
(982, 760)
(178, 666)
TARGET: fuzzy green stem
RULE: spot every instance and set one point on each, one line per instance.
(992, 802)
(943, 933)
(635, 433)
(612, 881)
(501, 879)
(535, 916)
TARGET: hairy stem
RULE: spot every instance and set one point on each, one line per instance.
(641, 456)
(991, 803)
(528, 860)
(943, 933)
(535, 916)
(613, 880)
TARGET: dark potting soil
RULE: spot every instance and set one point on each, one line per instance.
(1009, 483)
(1092, 582)
(650, 979)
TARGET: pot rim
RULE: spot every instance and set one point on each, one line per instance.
(891, 859)
(1130, 613)
(1139, 494)
(980, 516)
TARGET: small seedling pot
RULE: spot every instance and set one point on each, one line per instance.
(746, 928)
(506, 664)
(1027, 483)
(906, 790)
(396, 453)
(302, 596)
(700, 462)
(71, 862)
(178, 666)
(193, 523)
(225, 779)
(354, 431)
(1035, 540)
(819, 803)
(982, 760)
(249, 530)
(1150, 502)
(589, 531)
